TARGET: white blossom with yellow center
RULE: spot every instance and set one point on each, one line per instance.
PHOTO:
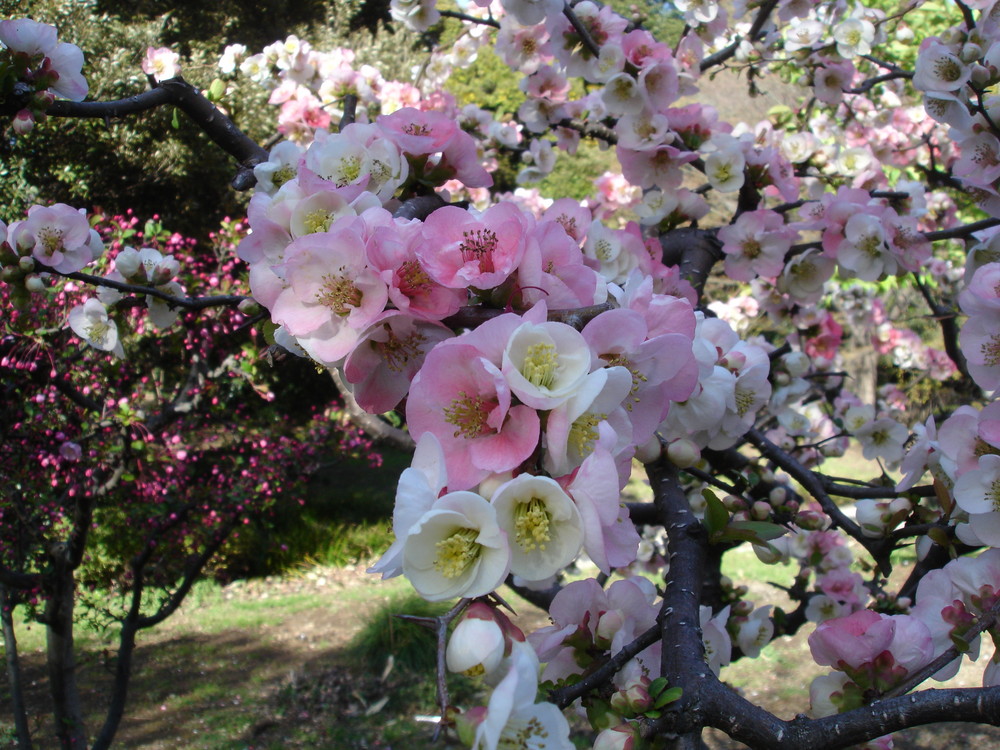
(456, 549)
(545, 363)
(542, 523)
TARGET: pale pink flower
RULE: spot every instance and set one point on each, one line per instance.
(418, 488)
(460, 250)
(464, 399)
(332, 294)
(161, 63)
(542, 523)
(90, 322)
(27, 36)
(545, 363)
(58, 235)
(980, 341)
(387, 356)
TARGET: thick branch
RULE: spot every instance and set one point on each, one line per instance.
(377, 429)
(748, 723)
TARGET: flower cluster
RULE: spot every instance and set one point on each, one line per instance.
(38, 68)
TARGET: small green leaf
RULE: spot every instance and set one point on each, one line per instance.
(652, 714)
(716, 515)
(760, 529)
(939, 536)
(657, 686)
(175, 121)
(216, 90)
(668, 696)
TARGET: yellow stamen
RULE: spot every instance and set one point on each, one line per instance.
(457, 553)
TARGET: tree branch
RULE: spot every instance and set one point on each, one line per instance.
(189, 100)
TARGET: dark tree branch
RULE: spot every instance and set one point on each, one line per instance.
(189, 100)
(766, 8)
(471, 19)
(188, 303)
(562, 697)
(584, 33)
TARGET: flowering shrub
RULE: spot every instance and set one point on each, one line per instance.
(537, 348)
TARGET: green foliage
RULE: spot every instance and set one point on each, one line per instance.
(573, 176)
(412, 645)
(487, 83)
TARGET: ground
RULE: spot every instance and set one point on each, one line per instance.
(268, 664)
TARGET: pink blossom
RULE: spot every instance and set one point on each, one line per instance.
(332, 294)
(161, 63)
(463, 399)
(460, 250)
(58, 236)
(852, 641)
(387, 356)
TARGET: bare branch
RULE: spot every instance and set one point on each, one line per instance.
(189, 100)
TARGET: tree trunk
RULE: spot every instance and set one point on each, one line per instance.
(67, 709)
(14, 671)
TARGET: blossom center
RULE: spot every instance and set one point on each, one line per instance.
(468, 414)
(744, 400)
(457, 553)
(282, 175)
(339, 294)
(397, 351)
(479, 245)
(318, 221)
(540, 364)
(51, 239)
(413, 280)
(98, 330)
(947, 69)
(991, 351)
(583, 432)
(524, 734)
(532, 525)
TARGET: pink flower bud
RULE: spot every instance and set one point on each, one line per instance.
(24, 121)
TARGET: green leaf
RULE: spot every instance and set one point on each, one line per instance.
(657, 686)
(960, 643)
(716, 515)
(939, 536)
(668, 696)
(762, 529)
(216, 90)
(175, 121)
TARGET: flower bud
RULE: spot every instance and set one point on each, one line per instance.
(26, 263)
(683, 453)
(734, 503)
(650, 451)
(761, 511)
(615, 738)
(24, 122)
(34, 283)
(128, 263)
(777, 496)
